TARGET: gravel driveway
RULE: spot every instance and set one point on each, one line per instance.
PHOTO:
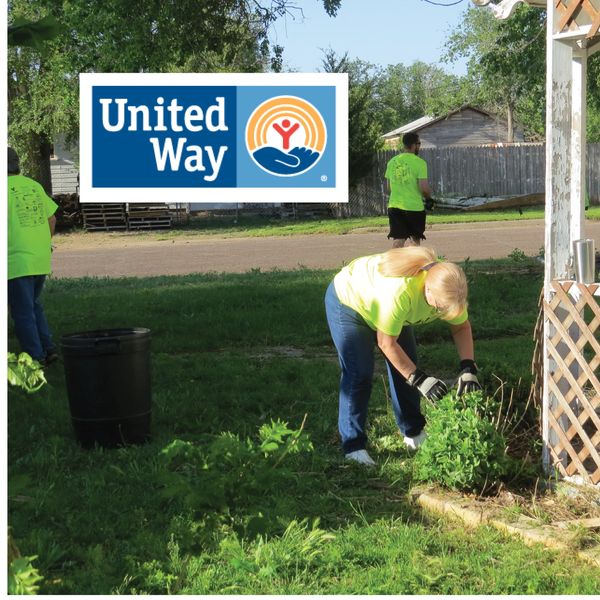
(238, 255)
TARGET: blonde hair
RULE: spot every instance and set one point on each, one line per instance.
(445, 280)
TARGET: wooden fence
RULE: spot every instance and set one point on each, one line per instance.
(470, 171)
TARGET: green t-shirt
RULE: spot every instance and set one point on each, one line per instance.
(403, 172)
(385, 303)
(29, 246)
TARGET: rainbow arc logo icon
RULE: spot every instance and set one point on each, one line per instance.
(286, 136)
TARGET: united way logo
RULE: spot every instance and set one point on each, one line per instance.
(286, 136)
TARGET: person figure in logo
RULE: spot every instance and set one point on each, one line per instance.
(286, 130)
(409, 194)
(31, 223)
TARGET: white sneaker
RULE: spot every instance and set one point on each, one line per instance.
(362, 457)
(412, 443)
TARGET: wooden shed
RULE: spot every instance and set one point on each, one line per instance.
(63, 169)
(466, 126)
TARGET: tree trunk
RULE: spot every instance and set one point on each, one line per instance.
(45, 175)
(510, 129)
(38, 165)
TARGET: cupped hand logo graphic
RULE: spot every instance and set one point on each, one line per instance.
(295, 161)
(286, 136)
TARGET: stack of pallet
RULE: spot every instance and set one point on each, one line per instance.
(148, 216)
(104, 217)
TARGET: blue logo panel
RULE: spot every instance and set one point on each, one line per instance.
(164, 136)
(286, 136)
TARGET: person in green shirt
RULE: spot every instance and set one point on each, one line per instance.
(376, 300)
(409, 193)
(31, 224)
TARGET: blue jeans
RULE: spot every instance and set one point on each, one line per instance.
(31, 327)
(355, 342)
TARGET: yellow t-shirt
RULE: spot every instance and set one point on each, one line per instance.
(385, 303)
(29, 245)
(403, 172)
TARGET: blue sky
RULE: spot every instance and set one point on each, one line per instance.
(378, 31)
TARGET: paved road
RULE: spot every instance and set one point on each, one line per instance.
(238, 255)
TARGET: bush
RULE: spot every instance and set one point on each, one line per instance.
(463, 450)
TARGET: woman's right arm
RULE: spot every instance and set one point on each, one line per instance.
(430, 387)
(388, 344)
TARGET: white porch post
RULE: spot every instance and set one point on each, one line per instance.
(566, 72)
(578, 143)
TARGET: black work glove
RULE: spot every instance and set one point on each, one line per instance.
(430, 387)
(467, 380)
(429, 203)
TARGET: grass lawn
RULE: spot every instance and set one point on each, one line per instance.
(253, 226)
(231, 353)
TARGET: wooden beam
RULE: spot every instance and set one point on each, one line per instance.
(578, 144)
(558, 160)
(594, 16)
(568, 14)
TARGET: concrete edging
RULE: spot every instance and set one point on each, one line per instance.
(528, 529)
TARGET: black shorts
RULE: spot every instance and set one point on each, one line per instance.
(406, 223)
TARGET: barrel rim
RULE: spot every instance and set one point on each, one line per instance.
(116, 333)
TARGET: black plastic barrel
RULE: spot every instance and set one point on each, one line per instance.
(108, 384)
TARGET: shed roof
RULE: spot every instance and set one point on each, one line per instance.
(424, 122)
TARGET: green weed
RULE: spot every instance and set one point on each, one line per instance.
(24, 372)
(23, 577)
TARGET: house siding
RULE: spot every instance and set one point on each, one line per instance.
(63, 169)
(64, 177)
(464, 128)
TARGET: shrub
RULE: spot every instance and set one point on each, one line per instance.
(463, 449)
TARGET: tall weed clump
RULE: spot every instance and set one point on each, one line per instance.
(232, 481)
(464, 449)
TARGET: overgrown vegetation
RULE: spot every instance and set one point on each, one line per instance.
(24, 372)
(464, 449)
(226, 498)
(23, 578)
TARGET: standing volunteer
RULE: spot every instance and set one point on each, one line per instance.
(31, 224)
(407, 186)
(376, 299)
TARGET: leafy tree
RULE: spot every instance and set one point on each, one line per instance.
(406, 93)
(506, 63)
(364, 130)
(593, 115)
(23, 32)
(118, 36)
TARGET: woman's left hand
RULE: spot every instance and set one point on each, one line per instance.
(467, 380)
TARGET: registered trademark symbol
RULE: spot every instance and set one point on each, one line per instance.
(323, 177)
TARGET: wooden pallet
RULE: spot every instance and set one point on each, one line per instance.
(104, 217)
(148, 216)
(149, 222)
(574, 387)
